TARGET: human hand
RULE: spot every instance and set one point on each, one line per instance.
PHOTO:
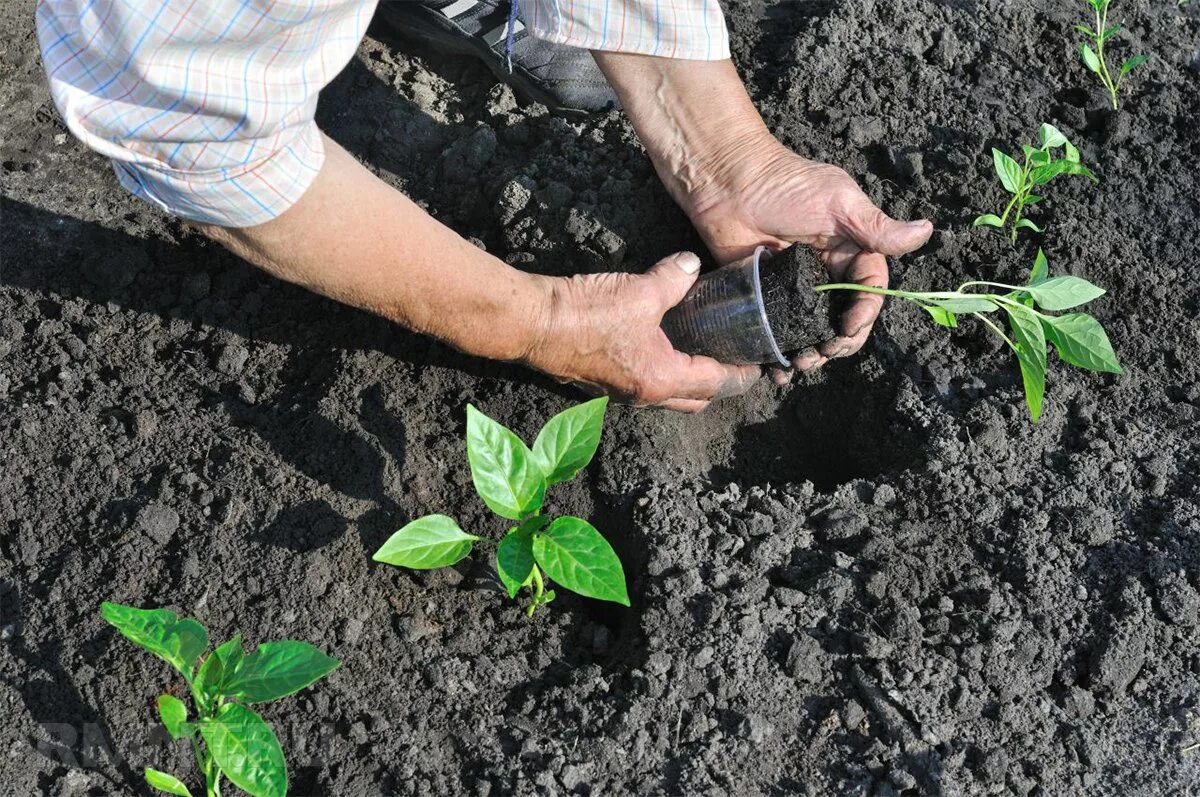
(602, 332)
(774, 197)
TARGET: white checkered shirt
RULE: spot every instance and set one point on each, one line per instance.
(206, 106)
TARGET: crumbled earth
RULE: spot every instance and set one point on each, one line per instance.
(882, 579)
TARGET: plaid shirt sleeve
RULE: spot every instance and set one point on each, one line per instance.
(204, 106)
(688, 29)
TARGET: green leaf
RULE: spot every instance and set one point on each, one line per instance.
(177, 641)
(1109, 32)
(577, 557)
(426, 543)
(173, 713)
(1090, 59)
(1085, 30)
(1041, 268)
(278, 669)
(502, 467)
(1050, 136)
(1081, 341)
(1038, 157)
(569, 440)
(941, 316)
(1063, 293)
(514, 559)
(1008, 170)
(987, 220)
(219, 667)
(1071, 152)
(1031, 199)
(165, 782)
(1044, 174)
(1031, 354)
(1133, 63)
(246, 750)
(1026, 224)
(965, 305)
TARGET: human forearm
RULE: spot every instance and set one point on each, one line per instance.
(694, 118)
(353, 238)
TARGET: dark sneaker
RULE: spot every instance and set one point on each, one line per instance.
(560, 77)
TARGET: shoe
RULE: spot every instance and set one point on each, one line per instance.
(560, 77)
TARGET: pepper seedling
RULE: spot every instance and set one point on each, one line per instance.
(1093, 53)
(512, 478)
(228, 738)
(1078, 338)
(1039, 167)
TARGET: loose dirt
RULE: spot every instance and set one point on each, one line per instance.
(799, 317)
(879, 580)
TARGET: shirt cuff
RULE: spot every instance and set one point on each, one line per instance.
(241, 196)
(686, 29)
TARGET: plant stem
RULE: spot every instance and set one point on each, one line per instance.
(539, 589)
(996, 328)
(1105, 75)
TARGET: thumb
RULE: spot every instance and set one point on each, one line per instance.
(876, 231)
(672, 277)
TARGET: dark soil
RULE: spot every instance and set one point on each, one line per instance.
(882, 579)
(799, 317)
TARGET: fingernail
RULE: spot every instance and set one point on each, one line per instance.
(688, 262)
(916, 225)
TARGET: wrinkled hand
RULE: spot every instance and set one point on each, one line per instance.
(774, 197)
(603, 333)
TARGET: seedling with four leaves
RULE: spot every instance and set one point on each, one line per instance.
(228, 737)
(1093, 53)
(512, 478)
(1077, 337)
(1039, 168)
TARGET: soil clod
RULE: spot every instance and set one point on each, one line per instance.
(799, 317)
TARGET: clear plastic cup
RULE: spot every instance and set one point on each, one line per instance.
(723, 316)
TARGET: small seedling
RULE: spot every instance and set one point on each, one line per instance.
(229, 739)
(1093, 54)
(1040, 167)
(1077, 337)
(512, 478)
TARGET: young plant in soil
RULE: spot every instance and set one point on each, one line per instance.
(1077, 337)
(1019, 179)
(1093, 53)
(512, 478)
(229, 739)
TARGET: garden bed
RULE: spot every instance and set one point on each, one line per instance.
(881, 579)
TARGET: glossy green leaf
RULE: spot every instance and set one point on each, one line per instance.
(1039, 157)
(246, 750)
(987, 220)
(1008, 170)
(1133, 63)
(1050, 136)
(1090, 59)
(1071, 153)
(568, 441)
(173, 713)
(1031, 354)
(1041, 268)
(426, 543)
(1085, 30)
(1026, 224)
(1081, 341)
(505, 474)
(514, 560)
(219, 667)
(1109, 32)
(1031, 199)
(278, 669)
(1063, 293)
(941, 316)
(166, 782)
(160, 631)
(1044, 174)
(577, 557)
(971, 305)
